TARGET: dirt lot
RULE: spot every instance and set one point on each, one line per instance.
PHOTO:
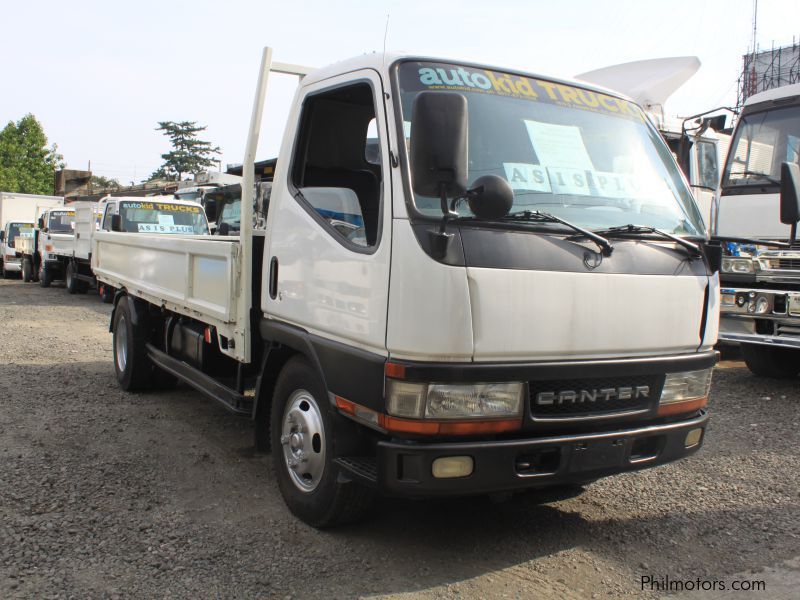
(107, 494)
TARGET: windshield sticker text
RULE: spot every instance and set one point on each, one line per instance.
(157, 228)
(469, 79)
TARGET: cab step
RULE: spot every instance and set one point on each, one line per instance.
(231, 399)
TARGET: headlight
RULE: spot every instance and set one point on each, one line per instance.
(737, 265)
(689, 385)
(453, 401)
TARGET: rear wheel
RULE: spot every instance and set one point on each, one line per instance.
(73, 283)
(302, 451)
(131, 364)
(768, 361)
(27, 270)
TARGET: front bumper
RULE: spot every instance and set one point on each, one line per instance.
(12, 264)
(760, 316)
(405, 468)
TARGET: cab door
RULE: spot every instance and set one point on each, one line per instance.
(326, 268)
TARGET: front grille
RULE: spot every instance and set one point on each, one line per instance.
(789, 263)
(591, 396)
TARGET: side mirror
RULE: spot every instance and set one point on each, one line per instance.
(716, 123)
(790, 196)
(40, 223)
(2, 235)
(491, 197)
(439, 133)
(210, 207)
(116, 223)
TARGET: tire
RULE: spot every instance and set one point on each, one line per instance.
(301, 434)
(768, 361)
(131, 364)
(73, 283)
(106, 293)
(45, 277)
(27, 270)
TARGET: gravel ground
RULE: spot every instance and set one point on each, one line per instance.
(106, 494)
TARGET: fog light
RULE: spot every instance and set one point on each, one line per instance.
(448, 467)
(693, 437)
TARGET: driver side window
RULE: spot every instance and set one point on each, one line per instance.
(334, 169)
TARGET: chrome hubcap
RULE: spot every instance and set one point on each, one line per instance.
(303, 441)
(121, 344)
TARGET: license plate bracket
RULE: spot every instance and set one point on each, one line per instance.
(598, 454)
(794, 304)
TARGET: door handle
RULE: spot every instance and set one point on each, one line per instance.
(273, 277)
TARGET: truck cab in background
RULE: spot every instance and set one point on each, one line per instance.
(199, 188)
(760, 281)
(699, 144)
(10, 256)
(19, 211)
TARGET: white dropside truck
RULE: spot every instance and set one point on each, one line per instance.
(18, 214)
(128, 215)
(760, 276)
(51, 237)
(697, 142)
(515, 292)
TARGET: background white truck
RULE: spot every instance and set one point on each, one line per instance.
(411, 321)
(65, 235)
(698, 144)
(760, 302)
(19, 211)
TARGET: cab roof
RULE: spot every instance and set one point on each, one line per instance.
(785, 91)
(382, 62)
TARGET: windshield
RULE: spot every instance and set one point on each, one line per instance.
(194, 195)
(586, 157)
(231, 213)
(762, 142)
(163, 217)
(61, 221)
(18, 229)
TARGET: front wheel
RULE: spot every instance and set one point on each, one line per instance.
(769, 361)
(106, 293)
(302, 451)
(45, 277)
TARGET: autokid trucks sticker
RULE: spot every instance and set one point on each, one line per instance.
(157, 217)
(470, 79)
(562, 163)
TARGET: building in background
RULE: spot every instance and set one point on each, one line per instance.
(766, 69)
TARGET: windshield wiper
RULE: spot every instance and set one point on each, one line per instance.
(536, 216)
(694, 249)
(766, 176)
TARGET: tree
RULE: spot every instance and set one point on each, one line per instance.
(188, 154)
(27, 164)
(98, 181)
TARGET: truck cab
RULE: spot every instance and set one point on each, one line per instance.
(510, 289)
(153, 214)
(10, 257)
(760, 307)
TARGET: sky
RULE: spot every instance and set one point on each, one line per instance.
(99, 75)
